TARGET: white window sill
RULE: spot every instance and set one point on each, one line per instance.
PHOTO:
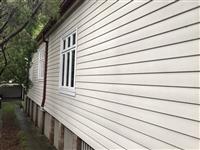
(67, 91)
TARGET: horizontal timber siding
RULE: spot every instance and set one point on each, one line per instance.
(35, 93)
(137, 76)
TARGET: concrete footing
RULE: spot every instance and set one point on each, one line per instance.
(59, 135)
(36, 115)
(51, 132)
(61, 130)
(31, 113)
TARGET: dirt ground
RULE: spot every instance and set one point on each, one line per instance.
(9, 131)
(17, 132)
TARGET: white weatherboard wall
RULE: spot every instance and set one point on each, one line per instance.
(137, 74)
(35, 93)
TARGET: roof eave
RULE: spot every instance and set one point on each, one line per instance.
(67, 7)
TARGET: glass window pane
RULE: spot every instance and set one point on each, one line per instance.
(41, 54)
(64, 43)
(74, 38)
(72, 68)
(69, 41)
(67, 75)
(63, 69)
(42, 69)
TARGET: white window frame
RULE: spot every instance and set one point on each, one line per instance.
(31, 73)
(41, 63)
(67, 89)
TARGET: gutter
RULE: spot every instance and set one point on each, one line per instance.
(45, 70)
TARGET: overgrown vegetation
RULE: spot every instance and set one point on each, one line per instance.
(8, 110)
(20, 23)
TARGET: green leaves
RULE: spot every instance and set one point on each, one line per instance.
(22, 45)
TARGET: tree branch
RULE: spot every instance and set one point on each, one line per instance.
(5, 60)
(6, 39)
(6, 22)
(2, 15)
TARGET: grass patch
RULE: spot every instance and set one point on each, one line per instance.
(8, 108)
(23, 140)
(8, 113)
(11, 133)
(10, 128)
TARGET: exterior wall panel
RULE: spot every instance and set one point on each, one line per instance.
(35, 93)
(137, 77)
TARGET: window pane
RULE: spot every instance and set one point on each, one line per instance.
(41, 54)
(42, 69)
(74, 38)
(67, 75)
(69, 41)
(72, 68)
(63, 69)
(64, 43)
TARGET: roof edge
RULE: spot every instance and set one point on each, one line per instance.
(66, 8)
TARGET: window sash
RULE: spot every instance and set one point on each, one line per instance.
(41, 62)
(31, 73)
(68, 69)
(63, 69)
(69, 42)
(41, 69)
(67, 75)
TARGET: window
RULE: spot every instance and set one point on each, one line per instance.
(41, 60)
(31, 73)
(67, 67)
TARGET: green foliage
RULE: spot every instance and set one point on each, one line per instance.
(19, 49)
(8, 110)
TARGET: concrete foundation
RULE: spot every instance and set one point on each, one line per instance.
(47, 123)
(41, 115)
(30, 108)
(36, 115)
(34, 112)
(56, 133)
(59, 136)
(51, 132)
(31, 111)
(70, 140)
